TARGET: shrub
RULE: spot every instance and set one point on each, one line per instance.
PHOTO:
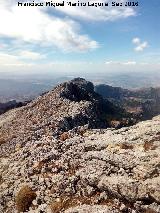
(57, 206)
(24, 198)
(126, 146)
(2, 140)
(149, 145)
(64, 136)
(63, 204)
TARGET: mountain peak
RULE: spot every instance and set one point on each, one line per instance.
(78, 89)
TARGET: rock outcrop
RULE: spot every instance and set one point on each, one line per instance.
(57, 158)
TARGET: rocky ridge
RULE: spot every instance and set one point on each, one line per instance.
(70, 164)
(68, 105)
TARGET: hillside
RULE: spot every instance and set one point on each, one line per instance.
(57, 155)
(4, 107)
(142, 103)
(68, 105)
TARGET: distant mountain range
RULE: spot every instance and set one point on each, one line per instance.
(142, 103)
(132, 105)
(4, 107)
(22, 87)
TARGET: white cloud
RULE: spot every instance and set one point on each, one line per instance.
(27, 27)
(35, 26)
(120, 62)
(98, 13)
(109, 62)
(9, 60)
(130, 63)
(78, 67)
(136, 40)
(18, 58)
(140, 46)
(30, 55)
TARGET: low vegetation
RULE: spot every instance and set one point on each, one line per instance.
(24, 198)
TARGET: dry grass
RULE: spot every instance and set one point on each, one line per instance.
(2, 140)
(115, 123)
(65, 203)
(126, 146)
(24, 198)
(149, 145)
(1, 179)
(5, 137)
(57, 206)
(64, 136)
(149, 211)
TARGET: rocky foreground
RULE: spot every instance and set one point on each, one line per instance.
(57, 156)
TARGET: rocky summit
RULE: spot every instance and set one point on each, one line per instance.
(58, 155)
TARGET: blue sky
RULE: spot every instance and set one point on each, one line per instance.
(80, 39)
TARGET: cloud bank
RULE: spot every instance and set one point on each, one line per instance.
(40, 27)
(26, 31)
(35, 26)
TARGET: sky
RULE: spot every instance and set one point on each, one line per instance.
(79, 39)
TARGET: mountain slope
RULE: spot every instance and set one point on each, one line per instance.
(53, 164)
(142, 103)
(68, 105)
